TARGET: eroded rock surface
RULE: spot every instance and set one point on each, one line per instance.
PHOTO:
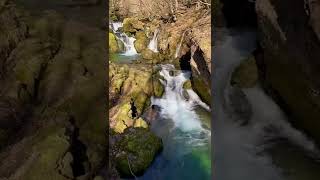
(289, 64)
(52, 117)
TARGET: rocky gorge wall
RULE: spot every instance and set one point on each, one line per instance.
(289, 61)
(52, 96)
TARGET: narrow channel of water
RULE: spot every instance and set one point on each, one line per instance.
(184, 127)
(266, 148)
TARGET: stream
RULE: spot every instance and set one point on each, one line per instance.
(267, 147)
(183, 122)
(184, 126)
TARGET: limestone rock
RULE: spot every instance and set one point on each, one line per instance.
(137, 149)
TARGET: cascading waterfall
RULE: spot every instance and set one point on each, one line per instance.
(179, 46)
(127, 41)
(179, 107)
(153, 45)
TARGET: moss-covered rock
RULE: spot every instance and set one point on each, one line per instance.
(52, 148)
(113, 43)
(50, 61)
(246, 74)
(148, 54)
(158, 88)
(138, 148)
(132, 25)
(187, 85)
(131, 87)
(141, 42)
(202, 89)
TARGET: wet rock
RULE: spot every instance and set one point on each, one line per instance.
(202, 89)
(239, 105)
(137, 149)
(187, 85)
(246, 74)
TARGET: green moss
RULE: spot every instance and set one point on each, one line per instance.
(113, 44)
(132, 25)
(138, 148)
(52, 148)
(246, 74)
(202, 89)
(140, 102)
(141, 42)
(148, 54)
(187, 85)
(158, 88)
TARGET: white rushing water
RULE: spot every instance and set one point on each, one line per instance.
(153, 45)
(180, 108)
(242, 151)
(127, 41)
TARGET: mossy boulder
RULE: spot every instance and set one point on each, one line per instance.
(246, 74)
(202, 89)
(137, 147)
(132, 25)
(148, 54)
(141, 42)
(113, 43)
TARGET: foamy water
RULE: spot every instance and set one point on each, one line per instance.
(127, 41)
(180, 109)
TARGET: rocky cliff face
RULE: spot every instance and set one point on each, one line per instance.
(290, 62)
(52, 96)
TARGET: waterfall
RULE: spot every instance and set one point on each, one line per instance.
(153, 45)
(180, 109)
(127, 41)
(179, 46)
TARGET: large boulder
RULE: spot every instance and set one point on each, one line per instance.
(115, 45)
(130, 89)
(141, 41)
(137, 149)
(132, 25)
